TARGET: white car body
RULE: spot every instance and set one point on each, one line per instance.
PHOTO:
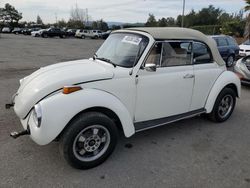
(88, 33)
(134, 94)
(37, 33)
(244, 50)
(6, 30)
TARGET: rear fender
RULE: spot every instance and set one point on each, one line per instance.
(225, 79)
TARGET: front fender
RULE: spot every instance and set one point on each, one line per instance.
(226, 78)
(59, 109)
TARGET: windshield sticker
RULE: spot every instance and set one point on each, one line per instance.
(132, 40)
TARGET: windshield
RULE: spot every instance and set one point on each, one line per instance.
(123, 49)
(246, 42)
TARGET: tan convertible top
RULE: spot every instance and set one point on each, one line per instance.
(167, 33)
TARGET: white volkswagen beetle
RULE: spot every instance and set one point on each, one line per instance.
(139, 79)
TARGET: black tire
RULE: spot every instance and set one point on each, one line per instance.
(216, 115)
(70, 143)
(44, 35)
(83, 36)
(230, 60)
(63, 36)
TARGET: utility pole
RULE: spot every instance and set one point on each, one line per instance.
(183, 12)
(87, 17)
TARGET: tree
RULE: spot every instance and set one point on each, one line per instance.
(247, 27)
(78, 24)
(62, 23)
(39, 20)
(151, 22)
(10, 15)
(247, 7)
(100, 25)
(77, 14)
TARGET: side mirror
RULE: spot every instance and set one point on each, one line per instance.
(150, 67)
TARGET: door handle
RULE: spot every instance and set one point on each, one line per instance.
(188, 76)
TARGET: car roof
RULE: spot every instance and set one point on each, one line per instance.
(177, 33)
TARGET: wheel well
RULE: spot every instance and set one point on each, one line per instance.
(112, 115)
(233, 87)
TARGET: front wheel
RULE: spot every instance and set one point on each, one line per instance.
(89, 140)
(224, 105)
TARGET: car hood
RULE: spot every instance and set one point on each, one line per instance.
(48, 79)
(244, 47)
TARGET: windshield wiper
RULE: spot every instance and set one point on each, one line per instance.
(106, 60)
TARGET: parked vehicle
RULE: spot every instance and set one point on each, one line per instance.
(131, 84)
(71, 32)
(28, 31)
(80, 33)
(6, 30)
(94, 34)
(106, 34)
(37, 33)
(17, 31)
(242, 69)
(228, 48)
(53, 32)
(245, 48)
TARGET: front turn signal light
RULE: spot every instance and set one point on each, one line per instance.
(71, 89)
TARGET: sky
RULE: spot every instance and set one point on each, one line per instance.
(130, 11)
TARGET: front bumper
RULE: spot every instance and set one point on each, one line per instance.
(244, 74)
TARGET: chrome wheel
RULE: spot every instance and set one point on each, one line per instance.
(91, 143)
(225, 106)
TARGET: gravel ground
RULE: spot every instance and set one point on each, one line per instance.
(189, 153)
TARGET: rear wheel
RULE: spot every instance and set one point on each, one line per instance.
(44, 35)
(224, 105)
(89, 140)
(230, 61)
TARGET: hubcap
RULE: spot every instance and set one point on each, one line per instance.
(91, 143)
(230, 61)
(225, 106)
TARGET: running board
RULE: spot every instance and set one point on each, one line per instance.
(144, 125)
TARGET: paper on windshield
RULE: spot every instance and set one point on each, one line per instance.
(132, 40)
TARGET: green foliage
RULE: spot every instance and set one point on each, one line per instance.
(39, 20)
(151, 22)
(208, 29)
(62, 23)
(75, 24)
(9, 15)
(100, 25)
(247, 7)
(235, 28)
(166, 22)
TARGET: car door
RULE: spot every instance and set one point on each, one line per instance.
(206, 72)
(168, 90)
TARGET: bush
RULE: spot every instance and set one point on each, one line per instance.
(208, 29)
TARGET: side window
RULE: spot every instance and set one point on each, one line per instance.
(231, 41)
(221, 41)
(176, 54)
(155, 55)
(202, 53)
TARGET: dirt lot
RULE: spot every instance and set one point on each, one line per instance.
(190, 153)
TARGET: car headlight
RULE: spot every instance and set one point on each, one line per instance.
(37, 115)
